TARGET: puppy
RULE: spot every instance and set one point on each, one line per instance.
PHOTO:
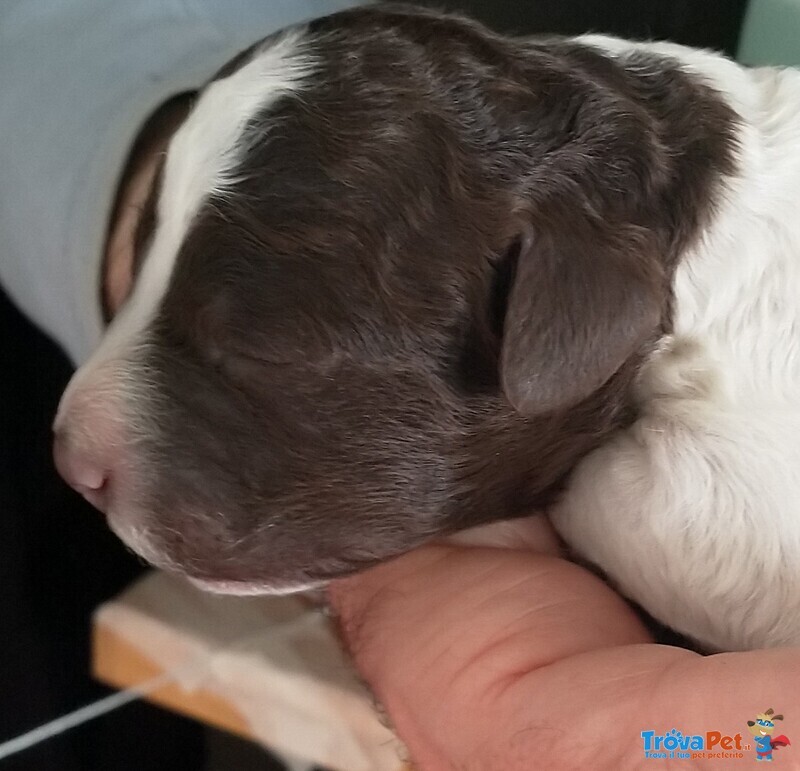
(400, 276)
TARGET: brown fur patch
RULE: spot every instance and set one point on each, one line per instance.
(334, 370)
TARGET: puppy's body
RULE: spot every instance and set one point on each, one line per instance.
(403, 275)
(695, 509)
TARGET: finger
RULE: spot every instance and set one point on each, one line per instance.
(592, 709)
(486, 659)
(444, 628)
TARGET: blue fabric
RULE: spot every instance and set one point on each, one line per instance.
(771, 33)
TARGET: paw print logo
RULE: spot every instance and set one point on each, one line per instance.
(672, 740)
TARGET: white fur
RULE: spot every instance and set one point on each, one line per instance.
(245, 589)
(201, 162)
(694, 511)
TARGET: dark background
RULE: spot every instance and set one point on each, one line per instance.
(702, 23)
(57, 559)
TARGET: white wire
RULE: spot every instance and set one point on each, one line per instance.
(82, 715)
(116, 700)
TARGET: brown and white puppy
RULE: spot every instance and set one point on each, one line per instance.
(400, 276)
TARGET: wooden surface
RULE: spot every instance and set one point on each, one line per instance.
(288, 686)
(116, 662)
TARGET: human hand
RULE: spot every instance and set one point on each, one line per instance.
(507, 659)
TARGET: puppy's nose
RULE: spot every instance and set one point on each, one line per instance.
(81, 471)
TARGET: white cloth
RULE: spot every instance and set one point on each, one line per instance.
(78, 78)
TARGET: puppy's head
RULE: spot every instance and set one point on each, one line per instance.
(395, 280)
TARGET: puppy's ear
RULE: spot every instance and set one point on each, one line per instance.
(581, 302)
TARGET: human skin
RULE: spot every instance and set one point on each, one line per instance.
(517, 659)
(488, 658)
